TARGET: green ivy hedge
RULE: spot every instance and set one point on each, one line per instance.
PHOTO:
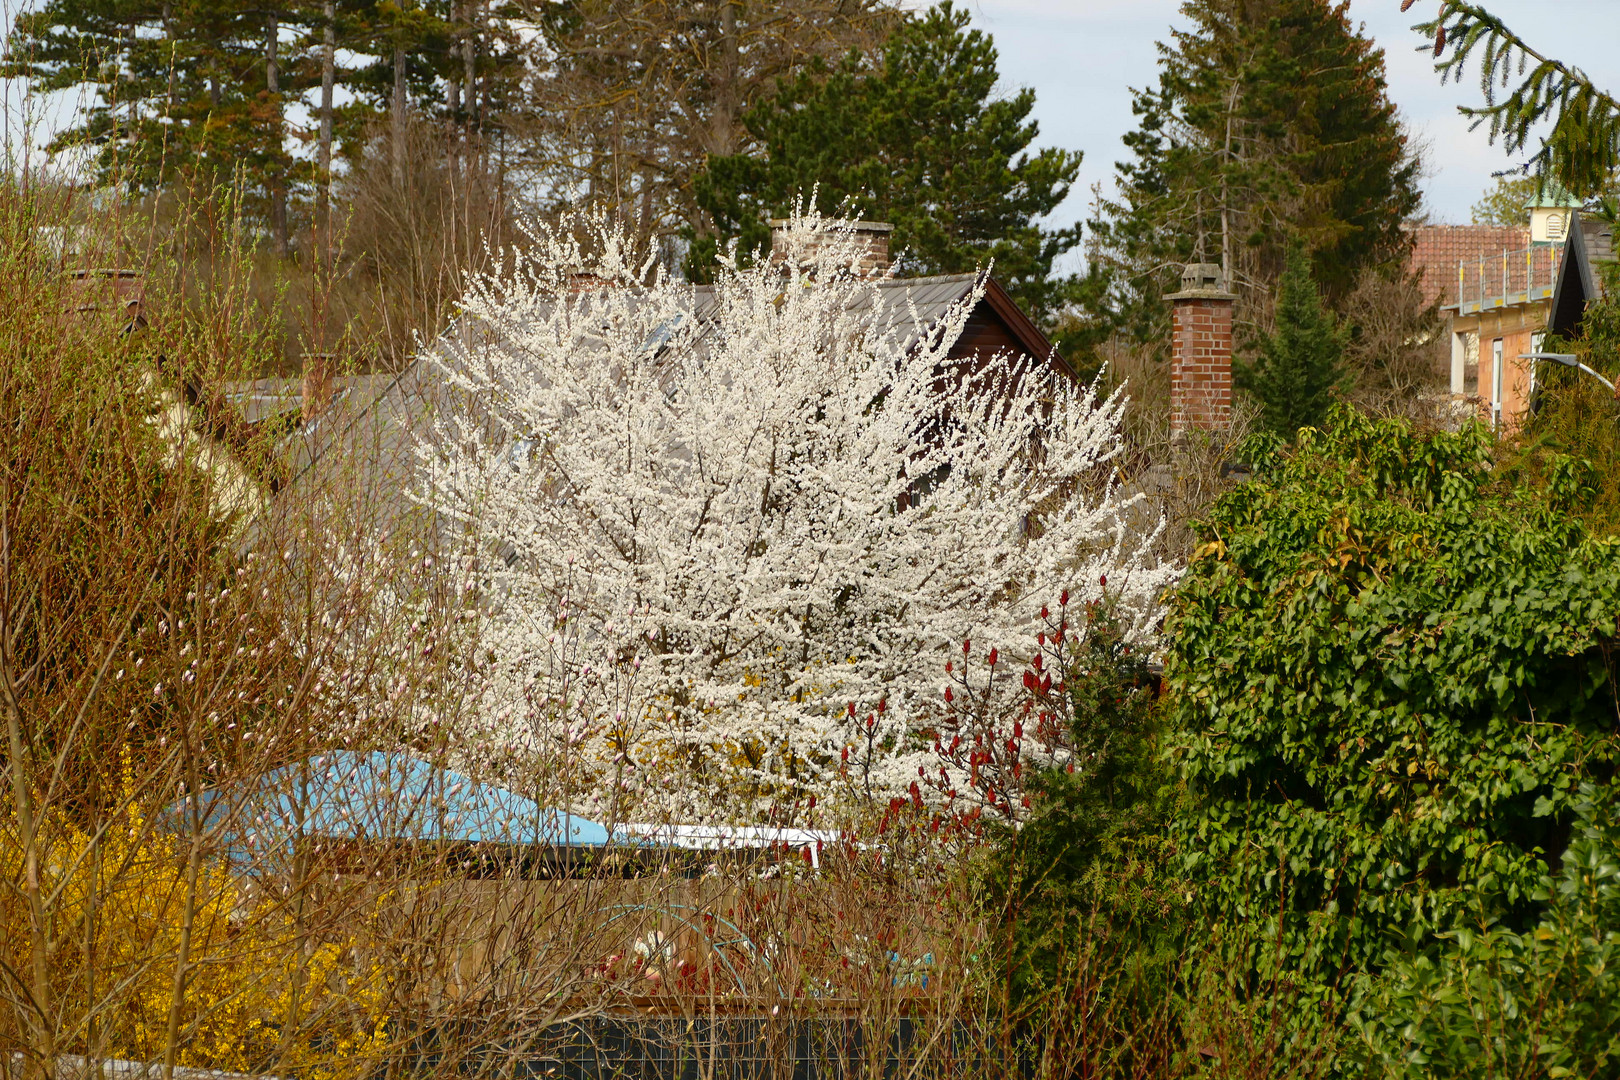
(1389, 676)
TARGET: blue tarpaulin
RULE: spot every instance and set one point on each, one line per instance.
(380, 797)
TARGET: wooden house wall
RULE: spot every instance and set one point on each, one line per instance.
(984, 336)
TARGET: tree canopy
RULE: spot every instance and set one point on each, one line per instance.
(1270, 120)
(914, 134)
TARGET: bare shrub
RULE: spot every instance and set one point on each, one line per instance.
(409, 240)
(1397, 349)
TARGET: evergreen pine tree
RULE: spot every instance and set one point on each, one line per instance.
(175, 88)
(1270, 120)
(1302, 363)
(914, 135)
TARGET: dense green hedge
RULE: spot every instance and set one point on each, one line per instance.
(1389, 677)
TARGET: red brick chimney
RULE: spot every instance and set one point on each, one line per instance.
(1201, 351)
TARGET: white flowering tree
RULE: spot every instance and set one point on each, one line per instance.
(760, 507)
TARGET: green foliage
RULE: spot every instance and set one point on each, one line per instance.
(1582, 151)
(1389, 680)
(914, 135)
(1301, 365)
(1485, 1001)
(174, 87)
(1507, 202)
(1570, 442)
(1504, 203)
(1091, 862)
(180, 89)
(1265, 112)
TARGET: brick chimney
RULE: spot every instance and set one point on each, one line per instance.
(317, 388)
(1201, 351)
(871, 236)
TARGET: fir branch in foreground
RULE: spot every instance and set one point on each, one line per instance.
(1583, 149)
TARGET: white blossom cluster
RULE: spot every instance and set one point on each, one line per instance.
(759, 503)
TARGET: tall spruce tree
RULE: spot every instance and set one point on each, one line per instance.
(1297, 369)
(194, 88)
(202, 89)
(1270, 121)
(912, 134)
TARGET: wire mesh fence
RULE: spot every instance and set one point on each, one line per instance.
(735, 1047)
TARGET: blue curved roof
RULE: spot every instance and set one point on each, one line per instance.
(378, 796)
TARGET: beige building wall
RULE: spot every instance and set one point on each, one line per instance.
(1502, 399)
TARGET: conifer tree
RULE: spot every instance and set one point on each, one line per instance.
(1582, 151)
(175, 88)
(1270, 120)
(912, 134)
(1299, 367)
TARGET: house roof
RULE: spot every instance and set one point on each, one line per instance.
(1591, 243)
(380, 418)
(1437, 250)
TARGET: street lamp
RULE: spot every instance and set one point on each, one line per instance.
(1568, 360)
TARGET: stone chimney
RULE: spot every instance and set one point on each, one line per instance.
(317, 387)
(871, 236)
(1201, 351)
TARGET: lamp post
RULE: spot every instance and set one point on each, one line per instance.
(1568, 360)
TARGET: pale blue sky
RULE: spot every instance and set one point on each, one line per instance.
(1082, 56)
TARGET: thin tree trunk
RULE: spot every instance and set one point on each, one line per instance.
(398, 111)
(453, 84)
(323, 160)
(278, 182)
(724, 127)
(469, 66)
(1226, 201)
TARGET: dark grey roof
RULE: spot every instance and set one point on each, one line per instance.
(376, 424)
(1591, 243)
(908, 302)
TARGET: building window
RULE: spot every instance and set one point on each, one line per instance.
(1555, 226)
(1496, 381)
(1470, 386)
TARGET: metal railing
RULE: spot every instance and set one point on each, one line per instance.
(1513, 277)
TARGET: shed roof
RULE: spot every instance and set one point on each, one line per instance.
(381, 797)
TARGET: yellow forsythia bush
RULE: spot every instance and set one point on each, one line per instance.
(261, 994)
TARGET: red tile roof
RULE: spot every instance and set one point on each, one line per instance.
(1438, 249)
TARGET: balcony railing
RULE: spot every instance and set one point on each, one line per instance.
(1513, 277)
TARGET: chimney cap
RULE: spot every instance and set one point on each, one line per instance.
(1202, 281)
(856, 226)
